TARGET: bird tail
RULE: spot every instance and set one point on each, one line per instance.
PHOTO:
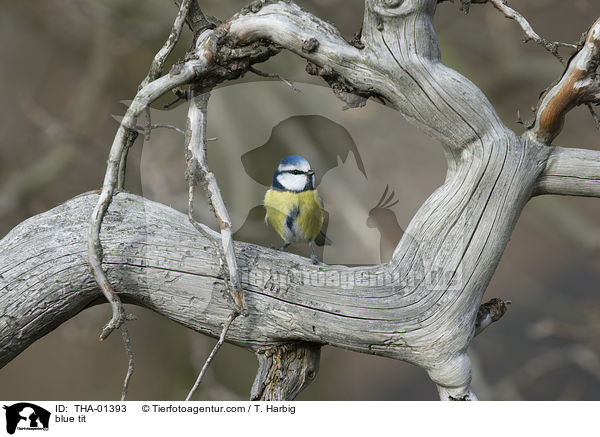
(323, 240)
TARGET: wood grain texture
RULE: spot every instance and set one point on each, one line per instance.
(421, 307)
(284, 371)
(461, 230)
(571, 172)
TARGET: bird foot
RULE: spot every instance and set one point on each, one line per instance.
(313, 255)
(315, 260)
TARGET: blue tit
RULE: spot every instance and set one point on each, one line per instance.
(294, 207)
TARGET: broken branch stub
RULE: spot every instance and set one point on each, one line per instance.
(284, 371)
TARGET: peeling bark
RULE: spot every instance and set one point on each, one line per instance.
(421, 307)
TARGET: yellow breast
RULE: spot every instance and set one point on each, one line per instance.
(294, 216)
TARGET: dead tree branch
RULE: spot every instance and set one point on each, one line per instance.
(530, 34)
(130, 361)
(149, 93)
(198, 172)
(156, 69)
(161, 56)
(212, 354)
(421, 307)
(490, 312)
(578, 85)
(571, 172)
(284, 371)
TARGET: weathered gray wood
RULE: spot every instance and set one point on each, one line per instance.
(578, 85)
(198, 172)
(421, 307)
(571, 172)
(284, 371)
(461, 230)
(148, 94)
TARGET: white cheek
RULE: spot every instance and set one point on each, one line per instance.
(302, 166)
(292, 182)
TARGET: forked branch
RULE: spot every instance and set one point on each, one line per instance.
(198, 172)
(161, 56)
(422, 306)
(145, 96)
(578, 85)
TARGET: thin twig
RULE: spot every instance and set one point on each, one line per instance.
(147, 124)
(273, 76)
(530, 34)
(129, 352)
(156, 68)
(141, 129)
(226, 326)
(131, 137)
(114, 178)
(212, 387)
(185, 73)
(594, 115)
(161, 56)
(151, 92)
(198, 171)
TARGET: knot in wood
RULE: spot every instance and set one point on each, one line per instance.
(193, 172)
(255, 6)
(310, 45)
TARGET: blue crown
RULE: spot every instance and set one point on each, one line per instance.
(293, 160)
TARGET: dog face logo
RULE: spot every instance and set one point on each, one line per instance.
(26, 416)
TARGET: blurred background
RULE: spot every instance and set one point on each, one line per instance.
(68, 66)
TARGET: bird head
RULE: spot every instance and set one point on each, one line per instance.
(294, 174)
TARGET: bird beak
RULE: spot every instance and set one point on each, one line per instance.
(310, 172)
